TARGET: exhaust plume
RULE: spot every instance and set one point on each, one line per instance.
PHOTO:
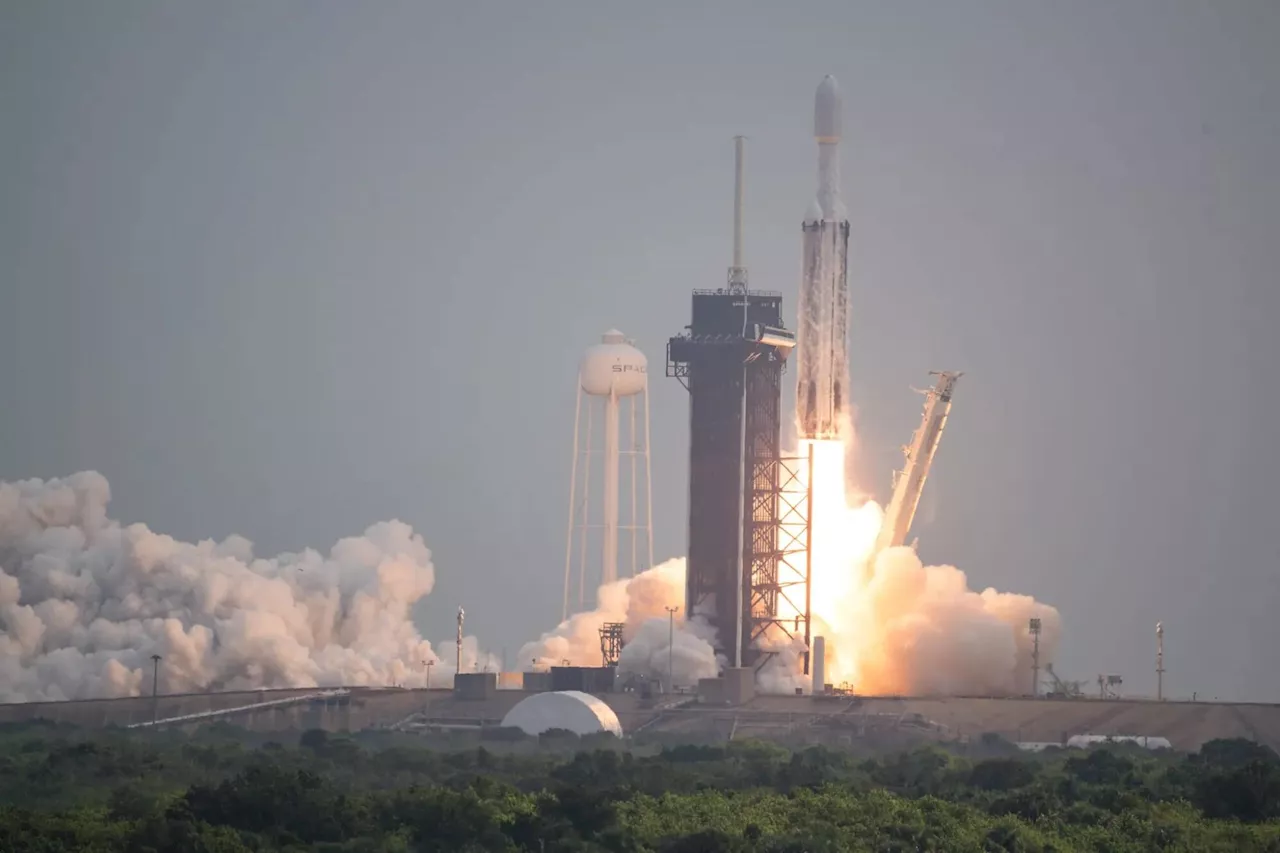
(893, 625)
(85, 602)
(896, 626)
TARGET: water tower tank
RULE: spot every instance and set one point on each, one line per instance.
(613, 363)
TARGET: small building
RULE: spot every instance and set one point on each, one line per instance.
(1086, 741)
(475, 685)
(585, 679)
(536, 682)
(736, 687)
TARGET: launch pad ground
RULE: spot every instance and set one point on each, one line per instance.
(832, 719)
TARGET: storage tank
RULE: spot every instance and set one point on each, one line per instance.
(613, 366)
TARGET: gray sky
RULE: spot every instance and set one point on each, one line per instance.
(288, 268)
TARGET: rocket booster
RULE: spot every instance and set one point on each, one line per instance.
(822, 362)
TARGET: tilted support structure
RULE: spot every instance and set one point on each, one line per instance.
(908, 484)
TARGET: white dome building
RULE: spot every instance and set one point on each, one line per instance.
(580, 713)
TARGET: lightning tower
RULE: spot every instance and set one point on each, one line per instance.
(822, 359)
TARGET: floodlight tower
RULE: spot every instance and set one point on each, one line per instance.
(610, 371)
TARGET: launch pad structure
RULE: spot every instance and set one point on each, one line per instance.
(750, 508)
(749, 505)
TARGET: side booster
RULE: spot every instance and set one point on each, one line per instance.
(822, 361)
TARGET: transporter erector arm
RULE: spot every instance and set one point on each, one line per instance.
(908, 483)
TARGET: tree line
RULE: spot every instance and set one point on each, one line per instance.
(223, 790)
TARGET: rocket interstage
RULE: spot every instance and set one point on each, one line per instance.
(822, 362)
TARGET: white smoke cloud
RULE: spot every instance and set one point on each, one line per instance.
(783, 671)
(920, 630)
(910, 630)
(651, 643)
(85, 602)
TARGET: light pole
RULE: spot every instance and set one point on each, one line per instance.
(1034, 627)
(155, 688)
(426, 697)
(1159, 661)
(671, 645)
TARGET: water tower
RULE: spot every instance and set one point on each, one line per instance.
(611, 371)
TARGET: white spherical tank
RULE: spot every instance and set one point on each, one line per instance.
(614, 364)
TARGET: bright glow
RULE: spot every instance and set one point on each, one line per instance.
(843, 537)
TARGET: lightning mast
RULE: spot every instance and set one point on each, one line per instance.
(909, 482)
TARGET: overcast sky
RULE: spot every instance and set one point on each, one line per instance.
(285, 269)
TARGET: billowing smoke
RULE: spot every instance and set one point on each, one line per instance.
(651, 643)
(928, 633)
(85, 602)
(919, 630)
(893, 625)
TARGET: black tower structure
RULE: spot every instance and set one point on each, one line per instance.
(742, 492)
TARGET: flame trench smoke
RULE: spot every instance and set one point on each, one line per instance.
(85, 602)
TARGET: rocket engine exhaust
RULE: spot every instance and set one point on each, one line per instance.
(822, 365)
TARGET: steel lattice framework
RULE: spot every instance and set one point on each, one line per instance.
(781, 564)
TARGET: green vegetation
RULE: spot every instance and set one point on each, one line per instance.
(222, 790)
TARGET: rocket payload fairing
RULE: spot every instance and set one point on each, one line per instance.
(822, 362)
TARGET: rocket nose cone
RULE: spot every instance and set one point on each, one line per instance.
(826, 110)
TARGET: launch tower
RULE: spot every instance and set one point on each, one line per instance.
(730, 360)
